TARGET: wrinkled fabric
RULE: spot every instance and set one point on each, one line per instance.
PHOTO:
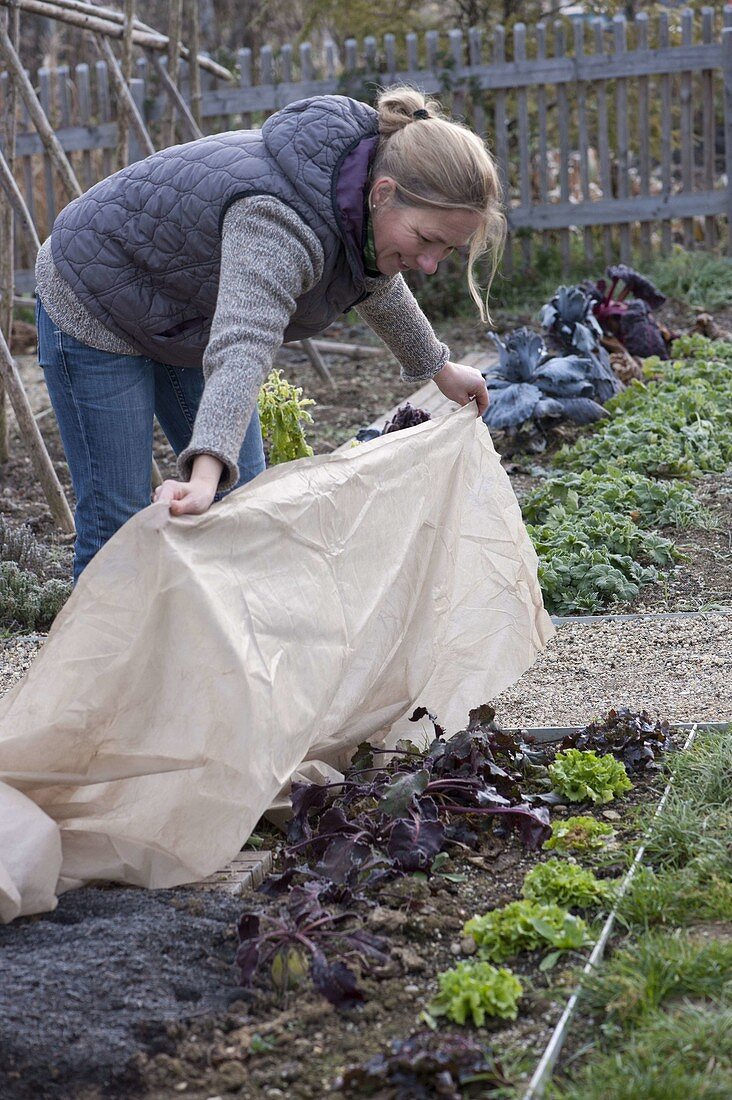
(202, 660)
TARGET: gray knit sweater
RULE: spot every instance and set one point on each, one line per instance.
(269, 257)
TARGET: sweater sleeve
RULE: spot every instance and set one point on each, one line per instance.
(269, 257)
(394, 314)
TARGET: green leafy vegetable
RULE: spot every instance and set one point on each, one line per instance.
(564, 882)
(473, 990)
(579, 834)
(642, 499)
(283, 411)
(524, 926)
(582, 776)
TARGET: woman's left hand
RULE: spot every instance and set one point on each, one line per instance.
(462, 384)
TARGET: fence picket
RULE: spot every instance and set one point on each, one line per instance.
(44, 77)
(390, 55)
(542, 166)
(583, 141)
(104, 108)
(687, 125)
(644, 132)
(707, 82)
(475, 58)
(519, 53)
(306, 61)
(501, 131)
(727, 80)
(83, 92)
(432, 45)
(622, 152)
(27, 163)
(455, 38)
(664, 38)
(266, 66)
(286, 63)
(564, 146)
(603, 137)
(412, 62)
(244, 59)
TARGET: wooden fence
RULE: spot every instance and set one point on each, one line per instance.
(610, 135)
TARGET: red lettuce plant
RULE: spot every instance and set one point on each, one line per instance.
(299, 938)
(426, 1065)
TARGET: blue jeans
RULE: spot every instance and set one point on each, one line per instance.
(104, 404)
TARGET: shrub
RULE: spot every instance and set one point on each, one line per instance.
(26, 603)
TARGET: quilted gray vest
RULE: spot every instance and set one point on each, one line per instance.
(142, 249)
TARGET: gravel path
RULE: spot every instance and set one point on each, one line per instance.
(675, 668)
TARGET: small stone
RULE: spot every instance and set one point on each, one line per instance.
(233, 1075)
(387, 920)
(468, 946)
(611, 815)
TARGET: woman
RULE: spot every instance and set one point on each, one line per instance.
(168, 288)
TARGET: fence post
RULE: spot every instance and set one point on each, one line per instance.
(727, 78)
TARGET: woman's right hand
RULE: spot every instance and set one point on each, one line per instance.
(194, 497)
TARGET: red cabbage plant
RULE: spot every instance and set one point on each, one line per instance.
(571, 326)
(631, 322)
(529, 388)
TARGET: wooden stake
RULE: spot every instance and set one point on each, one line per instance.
(52, 488)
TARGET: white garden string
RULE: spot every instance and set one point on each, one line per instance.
(543, 1071)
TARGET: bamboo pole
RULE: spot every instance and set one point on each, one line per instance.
(7, 229)
(42, 464)
(51, 143)
(174, 36)
(112, 25)
(176, 98)
(124, 94)
(17, 203)
(121, 154)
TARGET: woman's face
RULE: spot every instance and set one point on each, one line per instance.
(415, 238)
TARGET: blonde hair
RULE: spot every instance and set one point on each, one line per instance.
(436, 161)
